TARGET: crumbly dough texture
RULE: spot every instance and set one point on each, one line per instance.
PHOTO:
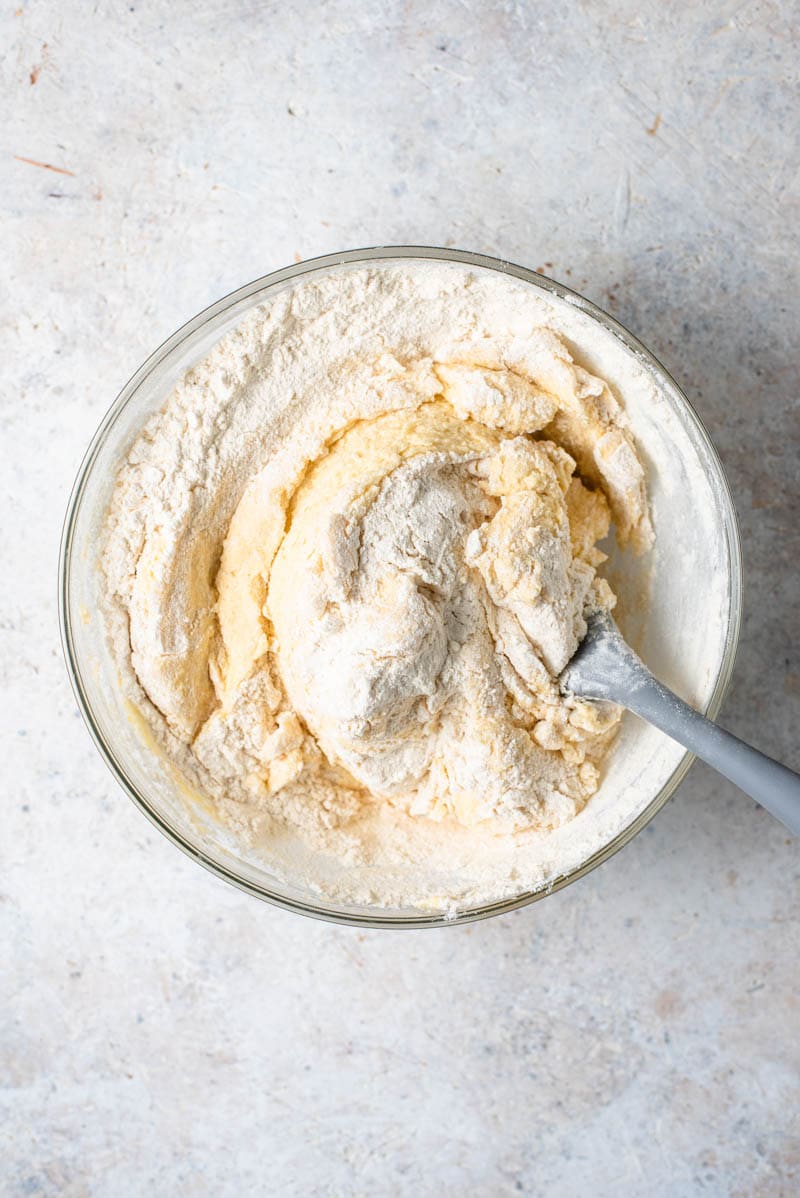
(348, 559)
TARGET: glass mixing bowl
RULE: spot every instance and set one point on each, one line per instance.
(692, 602)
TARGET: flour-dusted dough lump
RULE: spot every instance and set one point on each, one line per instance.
(348, 559)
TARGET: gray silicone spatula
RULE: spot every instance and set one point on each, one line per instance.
(605, 667)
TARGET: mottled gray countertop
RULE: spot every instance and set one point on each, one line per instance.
(636, 1034)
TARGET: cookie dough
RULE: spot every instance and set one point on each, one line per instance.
(348, 559)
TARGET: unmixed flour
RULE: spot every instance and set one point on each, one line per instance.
(348, 559)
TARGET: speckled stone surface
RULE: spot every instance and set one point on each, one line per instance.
(162, 1034)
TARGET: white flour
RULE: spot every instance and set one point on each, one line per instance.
(342, 577)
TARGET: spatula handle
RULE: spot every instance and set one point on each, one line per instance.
(774, 786)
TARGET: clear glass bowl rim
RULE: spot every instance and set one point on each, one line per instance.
(219, 309)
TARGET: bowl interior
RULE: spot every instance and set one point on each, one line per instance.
(679, 606)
